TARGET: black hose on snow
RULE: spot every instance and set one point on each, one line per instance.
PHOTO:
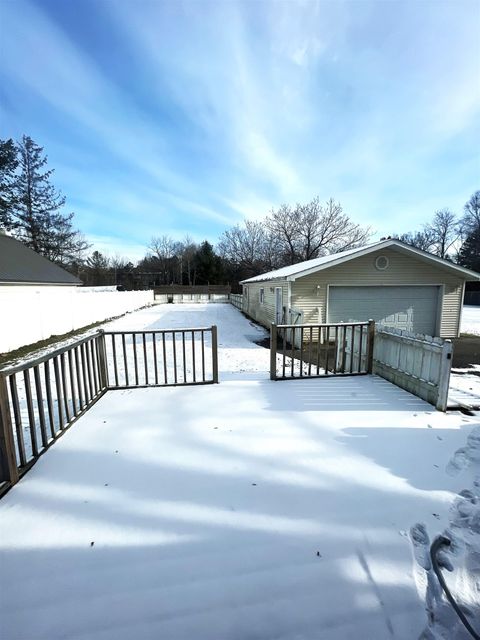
(441, 541)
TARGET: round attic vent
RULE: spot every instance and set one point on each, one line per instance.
(381, 263)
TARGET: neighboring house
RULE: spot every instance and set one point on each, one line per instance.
(34, 295)
(387, 281)
(20, 266)
(39, 300)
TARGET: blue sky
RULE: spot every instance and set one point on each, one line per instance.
(185, 117)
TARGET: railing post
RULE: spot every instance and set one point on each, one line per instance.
(444, 377)
(8, 459)
(214, 353)
(102, 360)
(273, 351)
(370, 344)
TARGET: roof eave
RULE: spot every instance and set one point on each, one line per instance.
(40, 284)
(466, 274)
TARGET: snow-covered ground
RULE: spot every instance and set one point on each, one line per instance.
(249, 509)
(465, 383)
(238, 353)
(246, 510)
(237, 336)
(470, 322)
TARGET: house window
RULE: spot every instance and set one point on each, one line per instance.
(262, 296)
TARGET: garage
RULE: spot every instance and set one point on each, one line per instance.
(411, 308)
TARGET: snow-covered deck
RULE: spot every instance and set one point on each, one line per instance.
(246, 510)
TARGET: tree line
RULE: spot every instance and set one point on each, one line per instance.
(32, 209)
(450, 236)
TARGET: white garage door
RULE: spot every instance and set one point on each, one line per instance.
(409, 308)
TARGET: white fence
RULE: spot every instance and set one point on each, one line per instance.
(30, 313)
(417, 363)
(237, 300)
(182, 298)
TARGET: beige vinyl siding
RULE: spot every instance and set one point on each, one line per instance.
(264, 313)
(309, 293)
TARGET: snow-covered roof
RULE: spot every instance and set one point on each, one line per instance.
(294, 271)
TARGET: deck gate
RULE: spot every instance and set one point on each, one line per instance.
(320, 350)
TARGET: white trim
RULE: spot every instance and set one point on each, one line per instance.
(440, 309)
(300, 272)
(281, 304)
(327, 302)
(462, 298)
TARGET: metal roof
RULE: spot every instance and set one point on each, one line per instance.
(301, 269)
(19, 264)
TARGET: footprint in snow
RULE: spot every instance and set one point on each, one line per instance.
(421, 545)
(458, 462)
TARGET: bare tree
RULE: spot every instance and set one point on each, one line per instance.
(249, 246)
(445, 232)
(283, 227)
(186, 254)
(162, 248)
(312, 229)
(327, 229)
(420, 239)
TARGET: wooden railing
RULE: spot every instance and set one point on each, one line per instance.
(161, 358)
(42, 398)
(317, 350)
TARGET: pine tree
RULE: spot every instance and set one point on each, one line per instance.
(97, 266)
(469, 254)
(39, 221)
(8, 165)
(208, 265)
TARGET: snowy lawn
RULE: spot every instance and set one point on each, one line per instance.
(237, 351)
(470, 320)
(245, 510)
(467, 381)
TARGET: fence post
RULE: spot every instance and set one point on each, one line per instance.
(8, 459)
(102, 359)
(444, 377)
(370, 344)
(214, 353)
(273, 351)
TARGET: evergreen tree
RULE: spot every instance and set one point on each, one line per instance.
(97, 268)
(8, 165)
(39, 221)
(471, 215)
(469, 254)
(208, 266)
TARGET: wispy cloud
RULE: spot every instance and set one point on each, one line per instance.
(186, 116)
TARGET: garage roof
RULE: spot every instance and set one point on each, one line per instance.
(21, 265)
(294, 271)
